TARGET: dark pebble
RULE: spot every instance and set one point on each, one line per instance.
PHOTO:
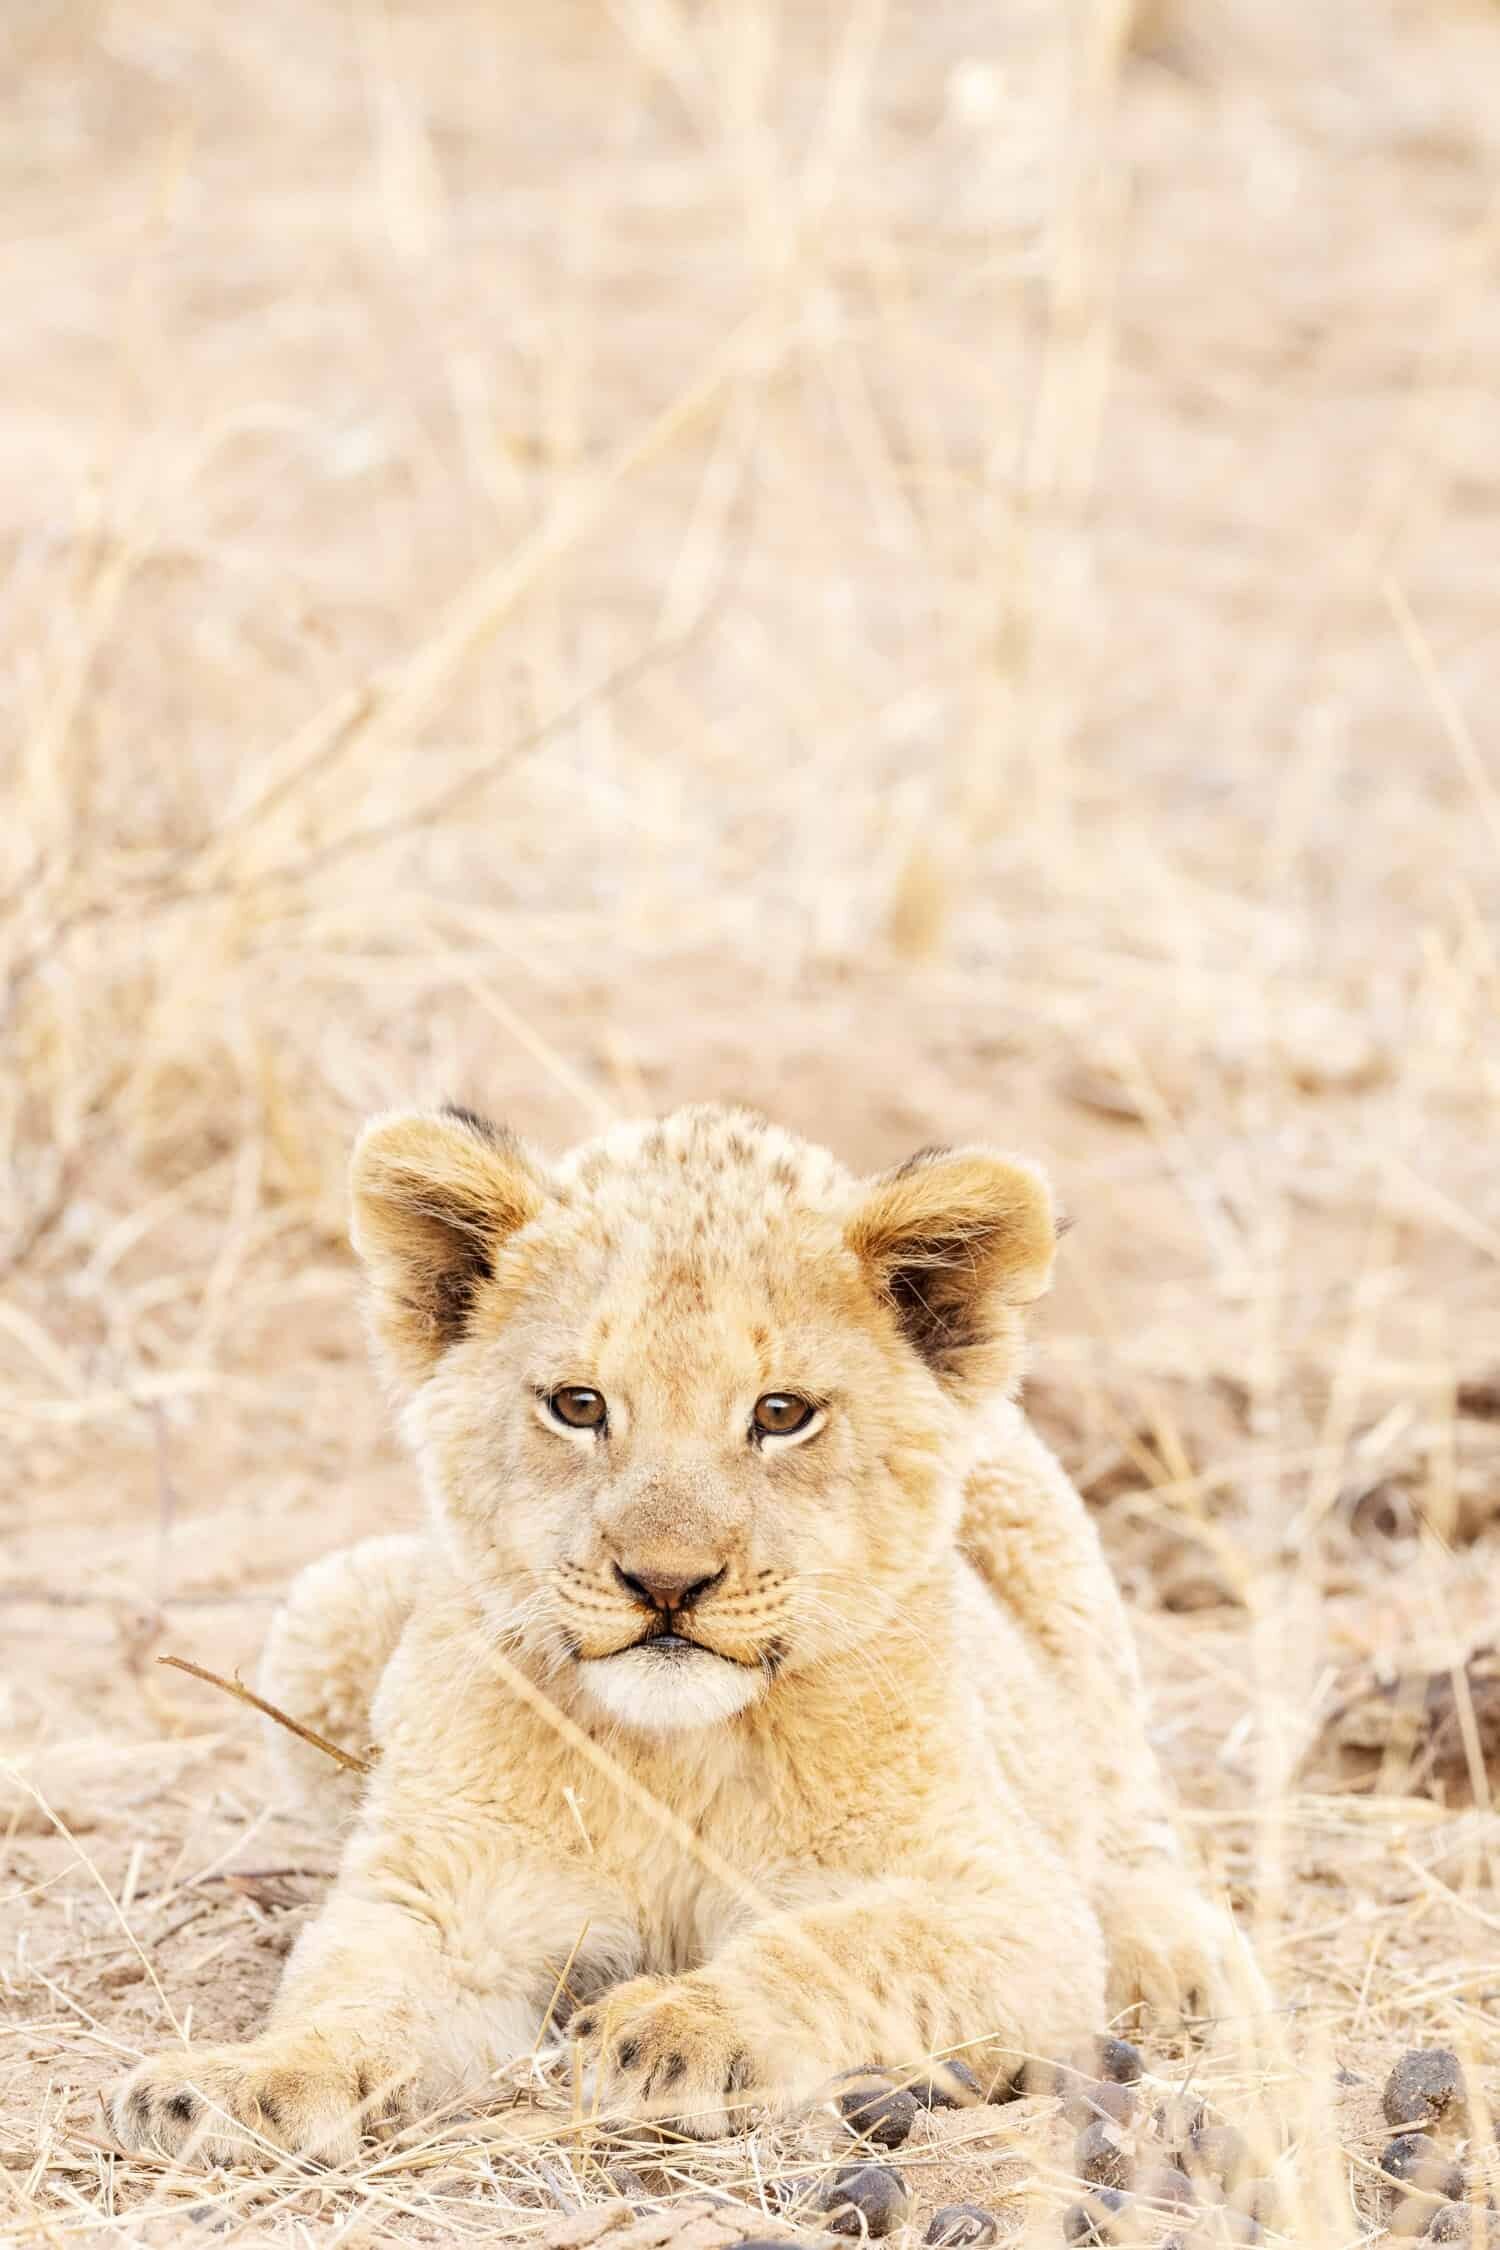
(1103, 2155)
(868, 2193)
(1104, 2216)
(962, 2223)
(1425, 2088)
(1089, 2098)
(886, 2118)
(1120, 2061)
(1416, 2160)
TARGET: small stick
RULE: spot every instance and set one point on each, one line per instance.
(238, 1689)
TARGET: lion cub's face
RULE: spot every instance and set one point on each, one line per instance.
(691, 1403)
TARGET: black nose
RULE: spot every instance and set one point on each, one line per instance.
(661, 1589)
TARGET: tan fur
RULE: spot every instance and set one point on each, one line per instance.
(897, 1801)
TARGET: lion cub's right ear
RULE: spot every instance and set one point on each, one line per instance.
(434, 1198)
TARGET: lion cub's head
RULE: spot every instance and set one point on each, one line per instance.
(691, 1403)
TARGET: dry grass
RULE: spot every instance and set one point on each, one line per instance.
(930, 566)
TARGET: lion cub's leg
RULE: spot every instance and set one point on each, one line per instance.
(1000, 1958)
(428, 1967)
(338, 2053)
(1027, 1532)
(329, 1643)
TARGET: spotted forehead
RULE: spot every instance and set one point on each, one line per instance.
(701, 1237)
(702, 1177)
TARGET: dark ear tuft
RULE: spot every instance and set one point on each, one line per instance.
(472, 1118)
(434, 1199)
(919, 1157)
(957, 1241)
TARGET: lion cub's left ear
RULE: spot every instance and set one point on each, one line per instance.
(957, 1241)
(434, 1198)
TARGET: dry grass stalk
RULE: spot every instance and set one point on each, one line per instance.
(350, 1762)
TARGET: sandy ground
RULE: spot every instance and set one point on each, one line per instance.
(929, 567)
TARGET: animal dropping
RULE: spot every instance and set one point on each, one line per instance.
(1463, 2223)
(1104, 2155)
(1218, 2153)
(866, 2199)
(1092, 2098)
(882, 2115)
(1120, 2062)
(796, 2189)
(1426, 2087)
(1416, 2160)
(1109, 2215)
(1167, 2186)
(948, 2085)
(959, 2225)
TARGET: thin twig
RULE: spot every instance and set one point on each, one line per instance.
(242, 1694)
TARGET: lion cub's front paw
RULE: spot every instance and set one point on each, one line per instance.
(665, 2047)
(218, 2104)
(1175, 1950)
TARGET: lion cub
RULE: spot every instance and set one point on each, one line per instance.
(762, 1701)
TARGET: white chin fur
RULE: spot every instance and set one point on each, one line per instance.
(669, 1694)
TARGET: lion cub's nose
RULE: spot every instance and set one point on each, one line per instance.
(665, 1589)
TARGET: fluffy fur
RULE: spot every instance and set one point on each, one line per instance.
(883, 1792)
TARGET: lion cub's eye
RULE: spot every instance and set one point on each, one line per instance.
(782, 1414)
(577, 1408)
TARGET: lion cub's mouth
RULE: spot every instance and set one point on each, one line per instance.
(676, 1648)
(674, 1682)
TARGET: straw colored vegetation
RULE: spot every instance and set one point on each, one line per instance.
(930, 567)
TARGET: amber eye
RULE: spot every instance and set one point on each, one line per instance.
(781, 1414)
(576, 1408)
